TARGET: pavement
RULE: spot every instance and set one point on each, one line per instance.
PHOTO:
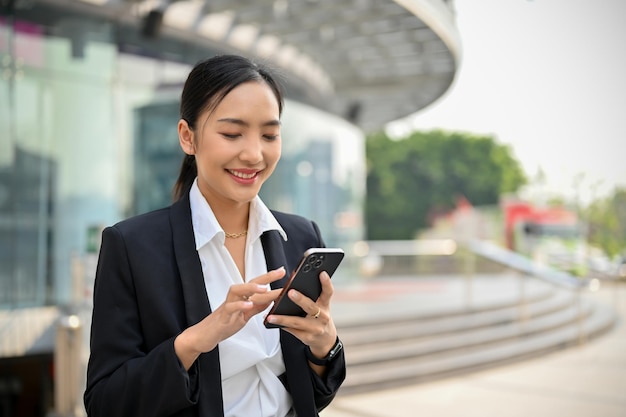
(583, 381)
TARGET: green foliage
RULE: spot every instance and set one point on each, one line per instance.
(606, 220)
(410, 179)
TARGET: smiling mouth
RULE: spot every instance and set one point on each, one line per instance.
(243, 175)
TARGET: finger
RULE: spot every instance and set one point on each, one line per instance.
(262, 302)
(258, 308)
(265, 298)
(294, 323)
(245, 291)
(269, 277)
(309, 306)
(303, 328)
(260, 284)
(257, 285)
(327, 289)
(244, 309)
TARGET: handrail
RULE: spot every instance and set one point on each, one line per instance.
(521, 263)
(408, 247)
(494, 253)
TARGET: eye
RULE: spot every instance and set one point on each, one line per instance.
(231, 135)
(271, 137)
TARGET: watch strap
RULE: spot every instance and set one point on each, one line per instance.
(332, 354)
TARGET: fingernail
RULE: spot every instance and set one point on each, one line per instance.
(271, 319)
(262, 287)
(294, 294)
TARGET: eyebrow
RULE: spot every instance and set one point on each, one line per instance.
(245, 124)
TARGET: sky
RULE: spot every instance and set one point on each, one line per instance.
(548, 79)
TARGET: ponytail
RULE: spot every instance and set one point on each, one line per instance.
(188, 173)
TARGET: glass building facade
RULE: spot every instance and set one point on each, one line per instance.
(89, 138)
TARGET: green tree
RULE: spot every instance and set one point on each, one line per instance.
(606, 222)
(410, 179)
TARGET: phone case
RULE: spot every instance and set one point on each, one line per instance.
(306, 280)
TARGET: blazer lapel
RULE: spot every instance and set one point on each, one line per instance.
(196, 300)
(197, 305)
(275, 257)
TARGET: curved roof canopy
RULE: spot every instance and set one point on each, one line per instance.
(369, 61)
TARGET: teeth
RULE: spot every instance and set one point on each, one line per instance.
(242, 175)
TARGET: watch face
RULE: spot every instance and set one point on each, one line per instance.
(335, 350)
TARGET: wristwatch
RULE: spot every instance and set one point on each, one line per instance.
(332, 354)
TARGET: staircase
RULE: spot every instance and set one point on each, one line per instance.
(426, 346)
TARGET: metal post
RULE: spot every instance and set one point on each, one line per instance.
(582, 336)
(67, 365)
(470, 269)
(522, 304)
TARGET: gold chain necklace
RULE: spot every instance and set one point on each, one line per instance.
(235, 235)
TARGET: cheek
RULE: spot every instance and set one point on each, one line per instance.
(213, 149)
(273, 153)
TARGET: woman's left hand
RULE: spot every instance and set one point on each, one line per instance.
(316, 330)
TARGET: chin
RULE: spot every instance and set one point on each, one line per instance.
(244, 199)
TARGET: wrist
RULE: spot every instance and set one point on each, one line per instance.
(319, 353)
(327, 357)
(185, 349)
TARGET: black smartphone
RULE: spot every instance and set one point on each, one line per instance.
(306, 279)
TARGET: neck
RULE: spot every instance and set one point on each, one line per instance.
(233, 218)
(231, 215)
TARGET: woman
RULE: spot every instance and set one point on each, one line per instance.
(180, 293)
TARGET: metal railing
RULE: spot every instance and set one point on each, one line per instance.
(466, 258)
(68, 369)
(513, 260)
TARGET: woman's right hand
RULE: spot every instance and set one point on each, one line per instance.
(243, 301)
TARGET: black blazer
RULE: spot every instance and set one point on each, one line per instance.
(149, 287)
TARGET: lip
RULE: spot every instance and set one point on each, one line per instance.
(244, 176)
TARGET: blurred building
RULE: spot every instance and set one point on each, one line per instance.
(89, 94)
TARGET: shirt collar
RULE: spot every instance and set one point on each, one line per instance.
(206, 226)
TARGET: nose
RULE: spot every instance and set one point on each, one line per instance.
(252, 151)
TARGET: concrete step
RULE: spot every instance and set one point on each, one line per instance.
(424, 349)
(419, 326)
(465, 338)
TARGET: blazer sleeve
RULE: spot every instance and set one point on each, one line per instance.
(326, 388)
(125, 377)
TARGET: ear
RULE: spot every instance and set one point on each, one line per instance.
(186, 137)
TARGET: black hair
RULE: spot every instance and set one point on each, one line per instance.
(206, 86)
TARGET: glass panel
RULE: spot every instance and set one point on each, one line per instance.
(26, 214)
(89, 138)
(59, 160)
(7, 228)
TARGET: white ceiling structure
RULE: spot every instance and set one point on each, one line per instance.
(369, 61)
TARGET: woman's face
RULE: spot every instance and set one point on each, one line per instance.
(237, 145)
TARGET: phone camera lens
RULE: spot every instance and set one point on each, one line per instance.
(306, 268)
(318, 263)
(312, 259)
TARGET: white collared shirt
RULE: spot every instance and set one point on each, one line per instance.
(251, 359)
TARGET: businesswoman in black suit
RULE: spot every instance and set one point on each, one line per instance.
(181, 293)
